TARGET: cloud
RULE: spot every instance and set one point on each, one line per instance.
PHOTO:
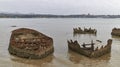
(61, 6)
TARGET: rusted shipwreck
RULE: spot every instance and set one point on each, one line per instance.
(84, 31)
(115, 32)
(29, 43)
(90, 51)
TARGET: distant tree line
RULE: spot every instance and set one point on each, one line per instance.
(10, 15)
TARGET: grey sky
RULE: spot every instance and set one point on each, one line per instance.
(61, 6)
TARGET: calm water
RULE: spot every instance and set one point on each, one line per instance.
(61, 31)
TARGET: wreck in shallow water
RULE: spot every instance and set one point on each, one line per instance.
(90, 51)
(115, 32)
(28, 43)
(84, 31)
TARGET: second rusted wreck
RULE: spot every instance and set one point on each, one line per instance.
(115, 32)
(90, 51)
(29, 43)
(84, 31)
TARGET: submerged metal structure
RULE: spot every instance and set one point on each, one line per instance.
(29, 43)
(89, 51)
(79, 30)
(115, 32)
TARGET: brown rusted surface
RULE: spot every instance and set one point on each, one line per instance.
(90, 51)
(84, 31)
(29, 43)
(115, 32)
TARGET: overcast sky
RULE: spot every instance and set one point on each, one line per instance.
(61, 6)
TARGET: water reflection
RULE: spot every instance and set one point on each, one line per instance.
(89, 62)
(76, 34)
(115, 37)
(19, 62)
